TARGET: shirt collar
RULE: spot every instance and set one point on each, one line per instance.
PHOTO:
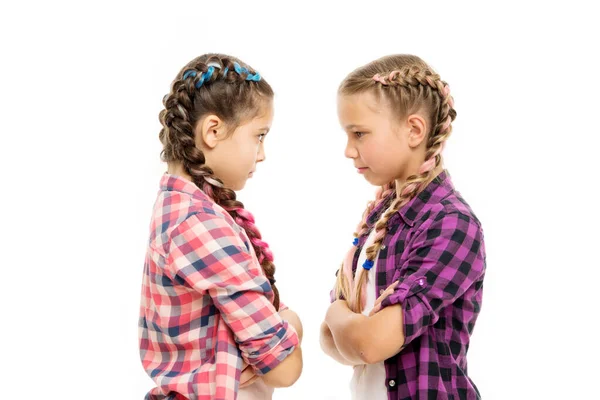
(176, 183)
(437, 189)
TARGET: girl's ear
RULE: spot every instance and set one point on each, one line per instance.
(209, 131)
(417, 130)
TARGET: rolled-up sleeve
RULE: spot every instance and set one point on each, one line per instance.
(446, 257)
(213, 259)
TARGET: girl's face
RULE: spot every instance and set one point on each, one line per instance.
(379, 145)
(234, 157)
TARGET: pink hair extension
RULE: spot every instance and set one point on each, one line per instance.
(393, 74)
(427, 165)
(408, 189)
(246, 214)
(246, 220)
(380, 79)
(446, 92)
(207, 188)
(430, 164)
(446, 123)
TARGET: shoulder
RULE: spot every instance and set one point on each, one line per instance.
(450, 211)
(180, 218)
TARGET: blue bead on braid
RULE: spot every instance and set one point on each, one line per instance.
(225, 71)
(368, 264)
(355, 242)
(188, 73)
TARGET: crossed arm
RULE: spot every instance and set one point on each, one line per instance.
(353, 339)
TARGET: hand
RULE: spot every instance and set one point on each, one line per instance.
(248, 376)
(384, 295)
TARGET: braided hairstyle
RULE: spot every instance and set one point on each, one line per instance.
(228, 88)
(408, 85)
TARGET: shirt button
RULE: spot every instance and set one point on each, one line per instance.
(392, 383)
(383, 247)
(422, 282)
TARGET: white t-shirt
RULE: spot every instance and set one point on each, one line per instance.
(368, 381)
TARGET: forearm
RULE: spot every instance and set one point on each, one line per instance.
(329, 347)
(289, 370)
(347, 330)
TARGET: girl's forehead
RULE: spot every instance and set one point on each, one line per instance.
(360, 106)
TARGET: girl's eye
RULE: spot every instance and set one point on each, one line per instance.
(359, 134)
(261, 137)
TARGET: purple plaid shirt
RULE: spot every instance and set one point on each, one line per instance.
(434, 247)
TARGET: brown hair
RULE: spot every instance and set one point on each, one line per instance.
(230, 89)
(406, 84)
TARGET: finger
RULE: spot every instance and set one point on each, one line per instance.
(386, 293)
(389, 290)
(375, 309)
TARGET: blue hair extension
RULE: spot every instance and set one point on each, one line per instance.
(209, 73)
(239, 69)
(188, 73)
(255, 77)
(200, 81)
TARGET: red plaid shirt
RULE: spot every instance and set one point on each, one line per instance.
(206, 305)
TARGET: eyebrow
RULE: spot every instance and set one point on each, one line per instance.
(353, 126)
(266, 129)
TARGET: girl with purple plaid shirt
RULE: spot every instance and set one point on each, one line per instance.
(211, 324)
(409, 290)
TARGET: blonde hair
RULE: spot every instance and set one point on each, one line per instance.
(408, 85)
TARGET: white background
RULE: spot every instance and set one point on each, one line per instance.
(81, 86)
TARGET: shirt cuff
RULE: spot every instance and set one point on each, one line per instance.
(281, 345)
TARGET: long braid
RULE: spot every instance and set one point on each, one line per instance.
(181, 112)
(412, 86)
(381, 195)
(344, 277)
